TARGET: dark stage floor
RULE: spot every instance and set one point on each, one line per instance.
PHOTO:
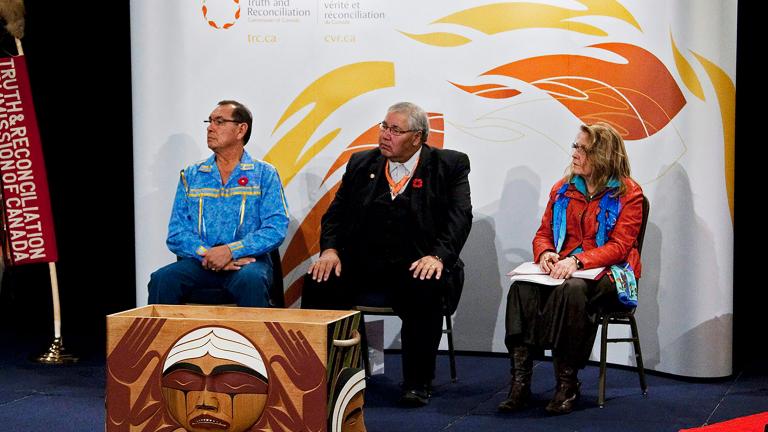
(71, 398)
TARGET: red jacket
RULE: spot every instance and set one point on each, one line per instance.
(582, 227)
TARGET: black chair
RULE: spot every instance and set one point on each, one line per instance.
(388, 311)
(218, 296)
(624, 318)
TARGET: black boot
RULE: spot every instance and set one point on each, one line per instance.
(567, 392)
(415, 396)
(520, 387)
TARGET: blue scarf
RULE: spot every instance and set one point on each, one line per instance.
(622, 274)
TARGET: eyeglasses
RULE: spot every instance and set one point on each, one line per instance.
(218, 121)
(578, 147)
(394, 130)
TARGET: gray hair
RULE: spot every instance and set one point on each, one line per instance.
(417, 118)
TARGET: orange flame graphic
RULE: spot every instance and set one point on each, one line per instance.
(306, 241)
(638, 97)
(493, 91)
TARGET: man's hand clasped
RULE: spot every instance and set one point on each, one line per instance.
(219, 258)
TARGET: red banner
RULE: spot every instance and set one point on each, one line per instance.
(27, 225)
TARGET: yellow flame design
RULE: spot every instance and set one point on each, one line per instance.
(501, 17)
(687, 74)
(325, 95)
(726, 97)
(440, 39)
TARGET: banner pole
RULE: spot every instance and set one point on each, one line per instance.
(55, 299)
(56, 353)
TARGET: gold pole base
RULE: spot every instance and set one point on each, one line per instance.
(56, 354)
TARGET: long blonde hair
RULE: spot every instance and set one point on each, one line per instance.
(607, 155)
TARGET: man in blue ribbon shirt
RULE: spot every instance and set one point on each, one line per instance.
(228, 214)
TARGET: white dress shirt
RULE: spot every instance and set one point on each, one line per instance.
(398, 170)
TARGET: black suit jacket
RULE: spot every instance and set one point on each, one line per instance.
(440, 199)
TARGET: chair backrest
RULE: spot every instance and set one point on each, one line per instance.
(641, 234)
(276, 290)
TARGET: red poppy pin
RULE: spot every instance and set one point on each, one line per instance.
(243, 180)
(417, 183)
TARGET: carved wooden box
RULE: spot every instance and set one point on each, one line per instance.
(208, 368)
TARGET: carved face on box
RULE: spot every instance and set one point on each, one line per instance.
(347, 401)
(354, 419)
(215, 379)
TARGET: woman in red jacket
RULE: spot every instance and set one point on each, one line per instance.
(592, 220)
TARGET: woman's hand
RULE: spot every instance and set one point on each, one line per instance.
(547, 261)
(564, 268)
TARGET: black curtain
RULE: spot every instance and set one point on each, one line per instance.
(79, 64)
(750, 292)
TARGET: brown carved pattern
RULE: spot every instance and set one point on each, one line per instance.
(125, 365)
(305, 369)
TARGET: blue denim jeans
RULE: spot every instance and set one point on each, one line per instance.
(249, 286)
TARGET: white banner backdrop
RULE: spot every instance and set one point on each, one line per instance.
(508, 83)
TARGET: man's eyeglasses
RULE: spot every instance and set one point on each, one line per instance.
(578, 147)
(394, 130)
(218, 121)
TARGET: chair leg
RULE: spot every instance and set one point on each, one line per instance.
(364, 346)
(451, 353)
(638, 355)
(603, 360)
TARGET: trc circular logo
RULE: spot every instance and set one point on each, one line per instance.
(221, 14)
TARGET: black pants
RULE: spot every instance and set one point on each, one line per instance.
(417, 302)
(562, 318)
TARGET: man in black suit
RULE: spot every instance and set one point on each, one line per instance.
(398, 223)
